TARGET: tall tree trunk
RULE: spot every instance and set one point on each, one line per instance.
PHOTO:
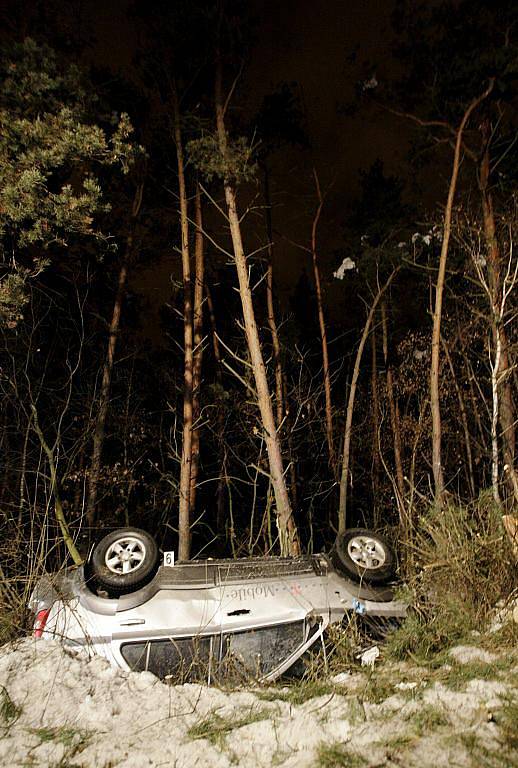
(344, 477)
(438, 474)
(104, 395)
(277, 363)
(222, 457)
(184, 516)
(322, 326)
(502, 375)
(394, 421)
(288, 536)
(199, 277)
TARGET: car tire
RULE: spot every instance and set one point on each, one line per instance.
(365, 556)
(124, 560)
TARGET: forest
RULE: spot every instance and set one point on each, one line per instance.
(215, 329)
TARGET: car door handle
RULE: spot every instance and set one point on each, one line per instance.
(131, 622)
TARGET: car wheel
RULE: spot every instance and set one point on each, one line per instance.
(365, 556)
(124, 560)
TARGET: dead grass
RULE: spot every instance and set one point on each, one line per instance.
(463, 567)
(338, 755)
(215, 728)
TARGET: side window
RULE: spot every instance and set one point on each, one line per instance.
(257, 652)
(184, 659)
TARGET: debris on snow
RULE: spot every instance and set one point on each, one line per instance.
(368, 657)
(406, 686)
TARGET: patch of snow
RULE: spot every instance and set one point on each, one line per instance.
(70, 709)
(464, 654)
(368, 657)
(342, 678)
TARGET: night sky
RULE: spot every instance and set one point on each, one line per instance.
(321, 47)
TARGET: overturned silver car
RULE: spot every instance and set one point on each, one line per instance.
(211, 620)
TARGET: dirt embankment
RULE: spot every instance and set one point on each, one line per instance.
(64, 711)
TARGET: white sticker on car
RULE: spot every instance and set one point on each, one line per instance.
(168, 559)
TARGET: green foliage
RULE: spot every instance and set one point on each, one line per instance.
(300, 692)
(12, 299)
(215, 727)
(236, 167)
(74, 741)
(52, 148)
(336, 755)
(464, 566)
(449, 50)
(426, 719)
(9, 711)
(506, 719)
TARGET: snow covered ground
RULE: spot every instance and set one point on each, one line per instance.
(63, 711)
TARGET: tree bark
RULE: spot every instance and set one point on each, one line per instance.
(288, 536)
(323, 332)
(276, 347)
(104, 395)
(223, 475)
(502, 375)
(199, 277)
(438, 474)
(344, 477)
(184, 516)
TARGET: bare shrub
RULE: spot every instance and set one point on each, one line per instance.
(463, 567)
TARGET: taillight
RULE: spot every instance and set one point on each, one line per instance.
(40, 621)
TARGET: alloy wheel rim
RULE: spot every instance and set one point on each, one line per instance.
(125, 555)
(367, 552)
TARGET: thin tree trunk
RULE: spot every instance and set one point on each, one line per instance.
(394, 421)
(279, 395)
(288, 536)
(438, 474)
(199, 267)
(473, 399)
(23, 469)
(104, 395)
(344, 477)
(223, 475)
(494, 421)
(291, 453)
(323, 332)
(464, 420)
(54, 488)
(506, 413)
(184, 516)
(375, 428)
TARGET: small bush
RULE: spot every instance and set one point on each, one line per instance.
(463, 567)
